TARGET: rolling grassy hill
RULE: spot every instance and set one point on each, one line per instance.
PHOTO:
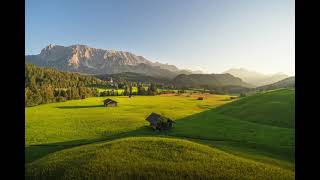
(275, 108)
(150, 158)
(259, 127)
(261, 122)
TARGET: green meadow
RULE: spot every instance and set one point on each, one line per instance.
(88, 118)
(250, 137)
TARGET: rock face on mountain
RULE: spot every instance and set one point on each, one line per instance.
(255, 78)
(208, 81)
(84, 59)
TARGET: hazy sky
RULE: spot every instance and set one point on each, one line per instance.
(210, 35)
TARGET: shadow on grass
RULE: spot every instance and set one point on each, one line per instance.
(34, 152)
(77, 107)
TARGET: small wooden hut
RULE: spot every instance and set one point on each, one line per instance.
(159, 122)
(110, 103)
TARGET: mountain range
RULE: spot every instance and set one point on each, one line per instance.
(104, 63)
(256, 78)
(84, 59)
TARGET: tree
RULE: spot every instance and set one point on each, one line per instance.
(60, 99)
(130, 89)
(95, 92)
(111, 93)
(141, 90)
(68, 94)
(152, 89)
(47, 93)
(82, 92)
(32, 97)
(75, 93)
(63, 93)
(126, 91)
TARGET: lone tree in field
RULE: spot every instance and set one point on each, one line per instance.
(130, 89)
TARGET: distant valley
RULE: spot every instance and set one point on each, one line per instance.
(256, 78)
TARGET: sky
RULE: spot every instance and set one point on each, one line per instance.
(208, 35)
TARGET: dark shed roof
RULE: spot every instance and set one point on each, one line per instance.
(107, 101)
(153, 117)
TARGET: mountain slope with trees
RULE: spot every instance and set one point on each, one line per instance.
(219, 82)
(285, 83)
(45, 85)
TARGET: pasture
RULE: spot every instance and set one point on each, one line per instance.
(261, 139)
(88, 118)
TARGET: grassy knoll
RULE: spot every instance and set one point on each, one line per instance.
(252, 131)
(275, 108)
(150, 158)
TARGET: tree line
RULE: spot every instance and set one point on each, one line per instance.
(47, 85)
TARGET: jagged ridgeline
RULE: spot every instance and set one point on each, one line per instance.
(84, 59)
(45, 85)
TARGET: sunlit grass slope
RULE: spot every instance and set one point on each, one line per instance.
(150, 158)
(258, 129)
(88, 118)
(275, 108)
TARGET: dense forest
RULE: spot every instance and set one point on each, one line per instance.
(46, 85)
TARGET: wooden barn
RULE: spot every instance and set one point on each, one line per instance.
(110, 103)
(200, 98)
(159, 122)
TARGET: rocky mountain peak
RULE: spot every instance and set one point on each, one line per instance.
(85, 59)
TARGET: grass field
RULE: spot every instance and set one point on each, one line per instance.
(247, 129)
(236, 122)
(88, 118)
(150, 158)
